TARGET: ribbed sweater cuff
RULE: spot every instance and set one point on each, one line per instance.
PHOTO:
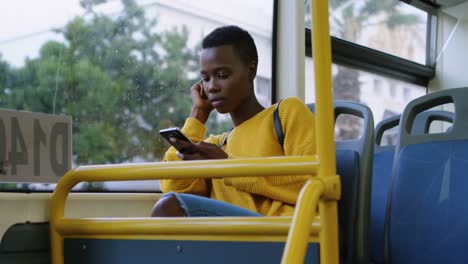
(194, 129)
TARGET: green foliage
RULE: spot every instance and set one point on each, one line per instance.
(399, 19)
(93, 186)
(7, 186)
(89, 4)
(352, 16)
(217, 126)
(119, 80)
(4, 70)
(94, 142)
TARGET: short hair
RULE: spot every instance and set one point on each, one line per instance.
(243, 44)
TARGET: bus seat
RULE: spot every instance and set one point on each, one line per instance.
(124, 251)
(383, 159)
(27, 243)
(354, 165)
(382, 172)
(427, 212)
(422, 121)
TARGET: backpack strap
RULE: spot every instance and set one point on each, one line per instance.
(225, 138)
(278, 127)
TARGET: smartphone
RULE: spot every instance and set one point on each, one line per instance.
(174, 132)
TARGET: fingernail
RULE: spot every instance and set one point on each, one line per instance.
(180, 155)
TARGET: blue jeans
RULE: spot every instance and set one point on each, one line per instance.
(194, 205)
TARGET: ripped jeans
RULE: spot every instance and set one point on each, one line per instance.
(194, 205)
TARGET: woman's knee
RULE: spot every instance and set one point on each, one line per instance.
(167, 206)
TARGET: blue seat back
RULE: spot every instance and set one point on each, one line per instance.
(382, 172)
(354, 165)
(423, 120)
(383, 162)
(427, 212)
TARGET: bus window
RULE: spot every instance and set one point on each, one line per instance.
(121, 70)
(385, 96)
(401, 27)
(375, 45)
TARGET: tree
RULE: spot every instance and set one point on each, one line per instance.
(4, 73)
(119, 80)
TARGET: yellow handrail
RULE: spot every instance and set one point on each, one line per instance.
(150, 171)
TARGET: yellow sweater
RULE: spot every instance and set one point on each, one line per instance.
(256, 137)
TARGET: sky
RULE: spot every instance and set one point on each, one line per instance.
(27, 24)
(25, 17)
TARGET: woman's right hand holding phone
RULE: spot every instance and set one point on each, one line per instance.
(198, 151)
(201, 106)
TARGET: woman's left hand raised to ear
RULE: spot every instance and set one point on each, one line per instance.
(203, 151)
(201, 106)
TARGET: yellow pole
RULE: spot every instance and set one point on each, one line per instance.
(321, 53)
(329, 242)
(326, 186)
(325, 119)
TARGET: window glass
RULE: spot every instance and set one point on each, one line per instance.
(384, 96)
(440, 126)
(121, 69)
(389, 137)
(263, 90)
(391, 26)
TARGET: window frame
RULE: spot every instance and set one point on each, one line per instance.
(363, 58)
(274, 57)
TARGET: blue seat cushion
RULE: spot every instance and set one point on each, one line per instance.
(381, 177)
(347, 166)
(429, 213)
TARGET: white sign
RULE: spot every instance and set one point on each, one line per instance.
(34, 147)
